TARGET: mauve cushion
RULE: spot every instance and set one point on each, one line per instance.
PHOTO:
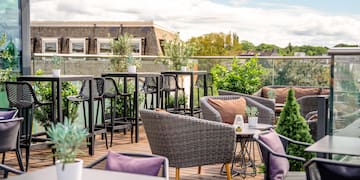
(147, 165)
(7, 114)
(228, 109)
(278, 166)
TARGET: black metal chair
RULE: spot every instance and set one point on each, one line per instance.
(149, 88)
(117, 123)
(267, 152)
(326, 169)
(22, 96)
(8, 169)
(169, 83)
(9, 133)
(84, 96)
(199, 84)
(100, 163)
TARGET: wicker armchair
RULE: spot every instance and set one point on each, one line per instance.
(266, 115)
(264, 101)
(188, 141)
(325, 169)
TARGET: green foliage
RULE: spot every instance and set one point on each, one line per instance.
(244, 78)
(67, 139)
(251, 111)
(7, 61)
(291, 124)
(43, 90)
(122, 47)
(302, 73)
(346, 45)
(181, 101)
(178, 53)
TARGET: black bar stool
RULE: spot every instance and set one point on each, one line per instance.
(149, 88)
(169, 83)
(83, 96)
(21, 95)
(111, 92)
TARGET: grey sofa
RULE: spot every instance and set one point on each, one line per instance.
(266, 115)
(188, 141)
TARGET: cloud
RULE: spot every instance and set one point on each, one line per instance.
(268, 23)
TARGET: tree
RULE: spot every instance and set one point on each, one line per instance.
(247, 46)
(291, 124)
(178, 52)
(122, 47)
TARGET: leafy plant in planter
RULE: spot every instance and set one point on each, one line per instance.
(252, 114)
(122, 47)
(178, 53)
(43, 90)
(67, 139)
(291, 124)
(243, 78)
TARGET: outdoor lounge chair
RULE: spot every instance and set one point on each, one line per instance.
(189, 141)
(269, 154)
(326, 169)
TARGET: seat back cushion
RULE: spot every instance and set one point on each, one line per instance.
(300, 92)
(228, 109)
(4, 115)
(142, 165)
(278, 166)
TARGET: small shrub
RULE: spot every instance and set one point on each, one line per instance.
(243, 78)
(292, 125)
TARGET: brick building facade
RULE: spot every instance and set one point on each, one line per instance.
(75, 37)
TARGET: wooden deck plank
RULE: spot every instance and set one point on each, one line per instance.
(43, 158)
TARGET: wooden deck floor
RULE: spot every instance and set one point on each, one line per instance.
(43, 158)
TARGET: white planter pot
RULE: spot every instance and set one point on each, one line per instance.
(71, 171)
(253, 121)
(56, 72)
(132, 69)
(183, 68)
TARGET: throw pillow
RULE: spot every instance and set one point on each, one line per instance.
(228, 109)
(7, 114)
(161, 110)
(144, 165)
(278, 166)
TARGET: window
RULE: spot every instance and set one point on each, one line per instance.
(77, 46)
(50, 45)
(104, 46)
(136, 46)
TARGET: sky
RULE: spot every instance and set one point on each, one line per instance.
(279, 22)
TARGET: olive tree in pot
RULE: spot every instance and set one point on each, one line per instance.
(67, 139)
(125, 61)
(56, 62)
(252, 114)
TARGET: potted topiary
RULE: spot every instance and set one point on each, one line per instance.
(252, 113)
(67, 139)
(56, 62)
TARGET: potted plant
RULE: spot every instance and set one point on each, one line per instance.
(125, 61)
(252, 113)
(178, 54)
(67, 139)
(132, 63)
(56, 62)
(271, 94)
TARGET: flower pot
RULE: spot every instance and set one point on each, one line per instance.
(56, 72)
(71, 171)
(132, 69)
(183, 68)
(253, 121)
